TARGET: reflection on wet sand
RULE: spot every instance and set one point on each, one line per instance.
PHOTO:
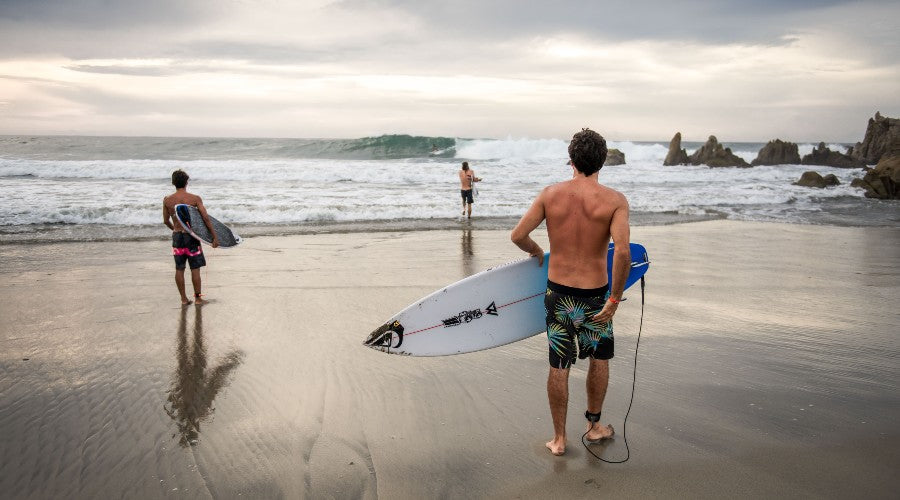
(468, 260)
(193, 387)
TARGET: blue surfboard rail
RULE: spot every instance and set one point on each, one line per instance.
(640, 262)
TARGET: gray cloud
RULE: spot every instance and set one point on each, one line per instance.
(717, 21)
(246, 50)
(104, 14)
(465, 67)
(126, 70)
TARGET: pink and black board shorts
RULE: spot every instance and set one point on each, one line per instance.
(186, 250)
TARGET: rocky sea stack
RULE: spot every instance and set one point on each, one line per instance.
(777, 152)
(881, 145)
(714, 155)
(614, 157)
(882, 140)
(883, 181)
(828, 158)
(676, 155)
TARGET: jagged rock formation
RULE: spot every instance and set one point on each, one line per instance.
(614, 157)
(676, 155)
(826, 157)
(883, 181)
(882, 139)
(815, 180)
(777, 152)
(713, 154)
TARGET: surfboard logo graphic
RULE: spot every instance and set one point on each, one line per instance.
(463, 317)
(384, 336)
(469, 316)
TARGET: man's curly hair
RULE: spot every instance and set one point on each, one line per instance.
(179, 178)
(587, 151)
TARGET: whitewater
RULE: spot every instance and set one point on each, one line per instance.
(88, 188)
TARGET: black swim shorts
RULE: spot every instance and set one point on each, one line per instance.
(187, 250)
(467, 195)
(570, 327)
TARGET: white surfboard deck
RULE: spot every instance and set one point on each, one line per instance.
(495, 307)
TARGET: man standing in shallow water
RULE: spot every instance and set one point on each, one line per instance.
(582, 215)
(467, 182)
(186, 248)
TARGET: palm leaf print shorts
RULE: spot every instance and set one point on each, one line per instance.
(570, 329)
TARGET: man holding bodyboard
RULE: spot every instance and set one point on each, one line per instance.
(582, 215)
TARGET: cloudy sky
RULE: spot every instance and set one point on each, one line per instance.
(639, 69)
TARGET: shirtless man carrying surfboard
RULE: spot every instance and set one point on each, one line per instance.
(186, 248)
(467, 180)
(582, 215)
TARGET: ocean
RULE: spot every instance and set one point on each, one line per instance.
(74, 188)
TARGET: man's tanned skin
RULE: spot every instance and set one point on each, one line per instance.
(582, 215)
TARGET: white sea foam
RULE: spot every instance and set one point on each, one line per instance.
(299, 191)
(511, 148)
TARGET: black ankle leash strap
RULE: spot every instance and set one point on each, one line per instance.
(595, 417)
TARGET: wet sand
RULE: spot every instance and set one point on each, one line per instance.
(768, 367)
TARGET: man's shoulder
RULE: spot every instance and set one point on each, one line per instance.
(191, 198)
(552, 190)
(612, 193)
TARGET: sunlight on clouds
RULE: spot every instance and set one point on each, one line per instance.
(461, 86)
(564, 49)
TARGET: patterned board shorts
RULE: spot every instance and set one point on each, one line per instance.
(187, 250)
(570, 329)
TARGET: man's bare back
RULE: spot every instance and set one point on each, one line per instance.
(580, 216)
(465, 179)
(177, 198)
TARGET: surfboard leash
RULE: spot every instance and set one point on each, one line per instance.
(591, 416)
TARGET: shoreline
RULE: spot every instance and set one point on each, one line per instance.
(85, 233)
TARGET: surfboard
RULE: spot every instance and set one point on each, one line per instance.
(192, 221)
(495, 307)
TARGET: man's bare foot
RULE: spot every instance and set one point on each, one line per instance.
(199, 300)
(599, 432)
(557, 446)
(185, 301)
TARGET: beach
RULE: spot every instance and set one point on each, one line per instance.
(768, 366)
